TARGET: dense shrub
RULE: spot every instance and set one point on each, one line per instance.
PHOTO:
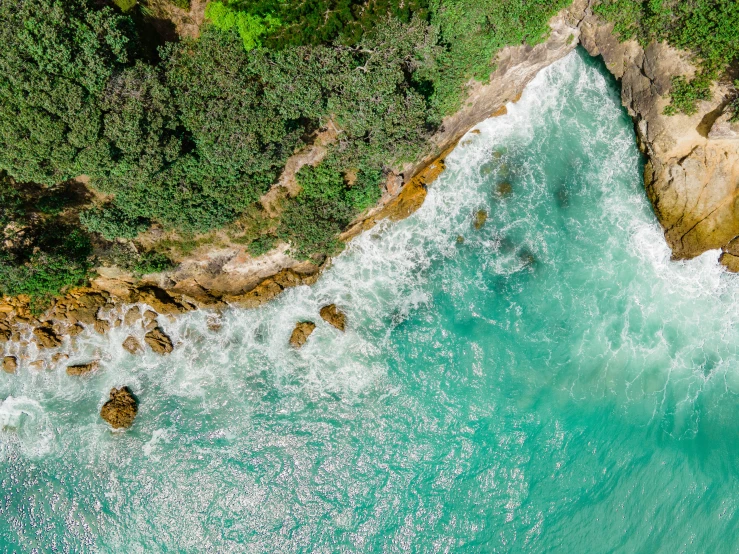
(251, 27)
(56, 60)
(111, 222)
(152, 262)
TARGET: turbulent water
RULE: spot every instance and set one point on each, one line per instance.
(549, 382)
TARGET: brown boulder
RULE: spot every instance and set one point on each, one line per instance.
(121, 409)
(132, 346)
(300, 334)
(10, 364)
(480, 218)
(332, 315)
(82, 369)
(75, 330)
(47, 337)
(161, 301)
(132, 316)
(86, 307)
(102, 326)
(159, 341)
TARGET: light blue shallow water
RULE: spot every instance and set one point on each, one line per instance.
(552, 384)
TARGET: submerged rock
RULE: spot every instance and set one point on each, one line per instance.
(47, 337)
(300, 334)
(121, 409)
(504, 189)
(159, 341)
(334, 316)
(132, 346)
(82, 369)
(480, 218)
(10, 364)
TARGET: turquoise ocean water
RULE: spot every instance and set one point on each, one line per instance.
(553, 383)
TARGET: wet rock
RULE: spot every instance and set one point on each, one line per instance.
(460, 239)
(480, 218)
(47, 337)
(161, 301)
(121, 409)
(132, 346)
(5, 334)
(83, 369)
(334, 316)
(214, 322)
(102, 326)
(75, 330)
(159, 341)
(37, 365)
(504, 189)
(133, 315)
(85, 308)
(59, 357)
(300, 334)
(10, 364)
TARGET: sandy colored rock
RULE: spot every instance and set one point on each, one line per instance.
(83, 369)
(102, 326)
(334, 316)
(480, 218)
(132, 346)
(300, 334)
(46, 337)
(59, 357)
(37, 365)
(692, 167)
(84, 308)
(159, 341)
(120, 411)
(10, 364)
(161, 301)
(75, 330)
(133, 315)
(150, 315)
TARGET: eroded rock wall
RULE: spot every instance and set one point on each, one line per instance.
(692, 170)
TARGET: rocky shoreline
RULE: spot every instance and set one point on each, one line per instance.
(691, 175)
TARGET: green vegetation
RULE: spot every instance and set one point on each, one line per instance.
(191, 134)
(111, 222)
(707, 28)
(250, 27)
(40, 254)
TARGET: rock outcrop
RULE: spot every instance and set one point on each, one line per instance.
(132, 346)
(692, 169)
(159, 342)
(300, 334)
(10, 364)
(121, 409)
(46, 337)
(331, 314)
(82, 369)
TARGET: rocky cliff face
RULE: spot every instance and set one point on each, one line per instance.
(692, 170)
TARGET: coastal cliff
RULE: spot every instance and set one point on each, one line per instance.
(690, 177)
(692, 168)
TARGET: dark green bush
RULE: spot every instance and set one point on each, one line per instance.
(111, 222)
(261, 245)
(152, 262)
